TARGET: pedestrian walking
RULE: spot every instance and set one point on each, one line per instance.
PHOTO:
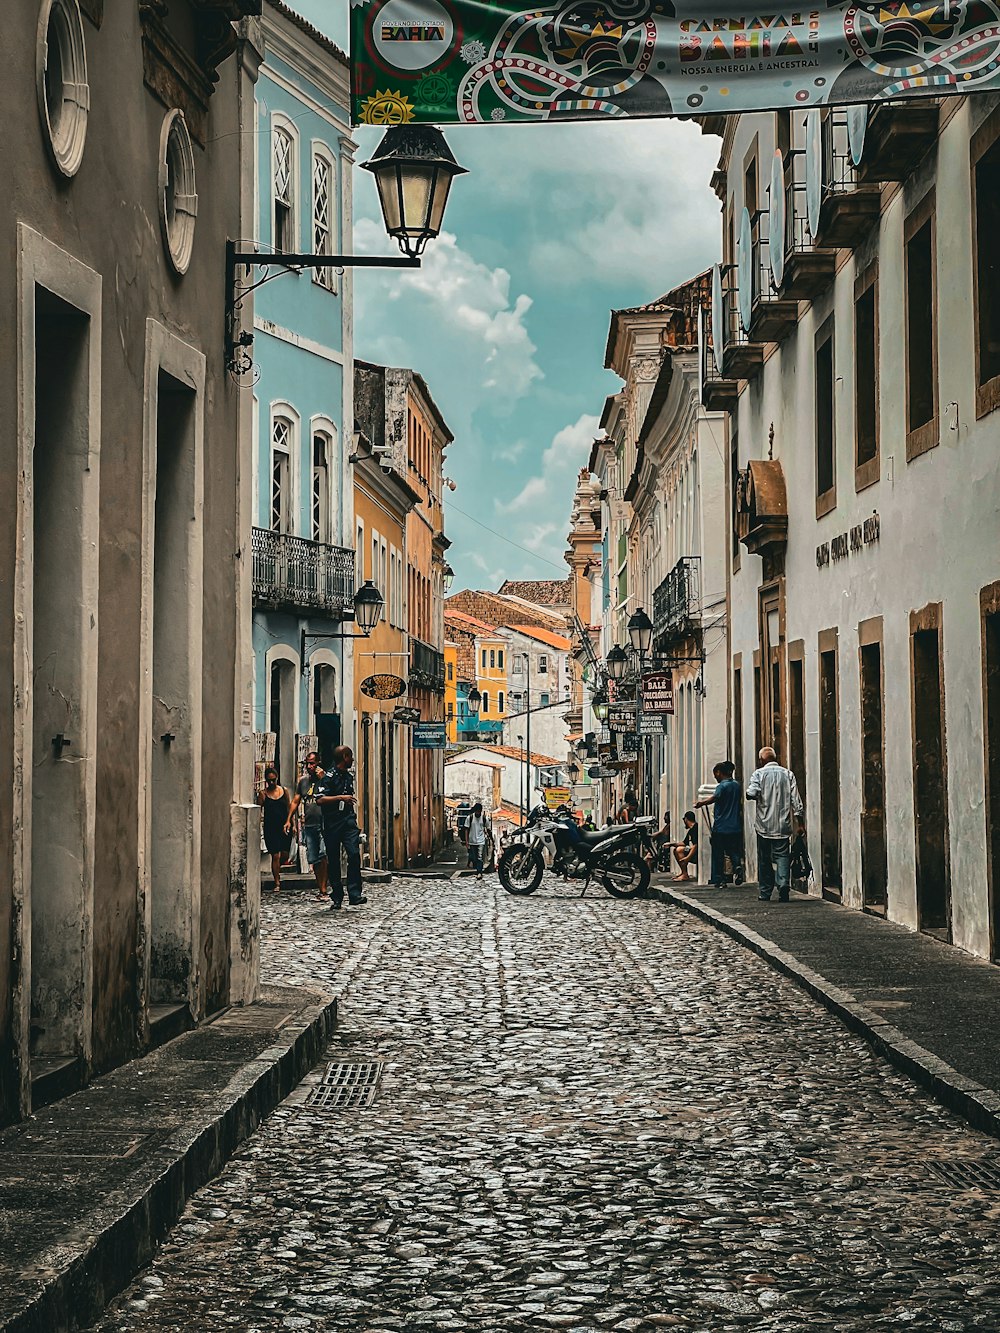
(630, 807)
(306, 792)
(274, 803)
(477, 838)
(337, 799)
(727, 827)
(686, 852)
(778, 802)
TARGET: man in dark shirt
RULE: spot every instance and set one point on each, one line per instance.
(727, 830)
(337, 800)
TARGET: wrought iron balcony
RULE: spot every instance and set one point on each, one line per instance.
(426, 666)
(293, 574)
(677, 603)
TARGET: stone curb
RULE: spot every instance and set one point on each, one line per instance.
(977, 1104)
(87, 1268)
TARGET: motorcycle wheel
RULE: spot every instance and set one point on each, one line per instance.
(625, 875)
(520, 869)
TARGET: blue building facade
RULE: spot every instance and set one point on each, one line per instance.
(303, 539)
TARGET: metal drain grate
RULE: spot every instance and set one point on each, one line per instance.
(347, 1087)
(981, 1174)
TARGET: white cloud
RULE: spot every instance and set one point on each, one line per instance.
(552, 488)
(470, 302)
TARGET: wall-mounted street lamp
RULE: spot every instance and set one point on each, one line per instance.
(368, 607)
(640, 632)
(617, 663)
(582, 747)
(413, 169)
(600, 705)
(474, 701)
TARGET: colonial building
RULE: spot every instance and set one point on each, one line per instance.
(395, 410)
(382, 500)
(125, 912)
(676, 496)
(303, 555)
(856, 337)
(485, 658)
(538, 680)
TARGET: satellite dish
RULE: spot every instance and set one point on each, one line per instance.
(744, 269)
(814, 169)
(857, 126)
(718, 318)
(776, 221)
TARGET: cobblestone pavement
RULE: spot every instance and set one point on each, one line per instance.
(592, 1115)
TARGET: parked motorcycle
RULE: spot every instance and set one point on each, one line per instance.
(612, 856)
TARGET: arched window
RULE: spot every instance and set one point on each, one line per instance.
(283, 176)
(324, 215)
(322, 464)
(282, 508)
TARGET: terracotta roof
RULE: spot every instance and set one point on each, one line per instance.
(512, 752)
(459, 618)
(510, 813)
(544, 636)
(494, 608)
(461, 759)
(544, 592)
(305, 26)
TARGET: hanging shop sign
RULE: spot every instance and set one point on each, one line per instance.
(658, 692)
(600, 771)
(470, 62)
(403, 713)
(849, 543)
(621, 718)
(628, 743)
(651, 724)
(429, 736)
(383, 687)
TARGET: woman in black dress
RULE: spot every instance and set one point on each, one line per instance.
(275, 804)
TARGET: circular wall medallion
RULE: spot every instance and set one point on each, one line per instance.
(814, 169)
(777, 221)
(178, 196)
(744, 269)
(718, 318)
(857, 125)
(61, 82)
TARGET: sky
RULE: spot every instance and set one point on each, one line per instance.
(554, 226)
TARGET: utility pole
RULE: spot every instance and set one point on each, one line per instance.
(527, 728)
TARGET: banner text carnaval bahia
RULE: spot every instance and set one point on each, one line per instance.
(468, 62)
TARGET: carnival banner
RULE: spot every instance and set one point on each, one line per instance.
(467, 62)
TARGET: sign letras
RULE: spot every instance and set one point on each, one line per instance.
(848, 543)
(383, 687)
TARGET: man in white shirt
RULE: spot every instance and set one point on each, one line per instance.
(776, 795)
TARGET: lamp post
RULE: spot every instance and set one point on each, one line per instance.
(520, 771)
(640, 632)
(368, 607)
(413, 169)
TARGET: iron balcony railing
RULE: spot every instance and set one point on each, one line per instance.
(677, 601)
(426, 666)
(291, 573)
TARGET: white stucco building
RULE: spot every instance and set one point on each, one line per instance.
(857, 344)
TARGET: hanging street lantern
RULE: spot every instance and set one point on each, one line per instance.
(600, 705)
(640, 632)
(617, 663)
(474, 701)
(413, 169)
(368, 606)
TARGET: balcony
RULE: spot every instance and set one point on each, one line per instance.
(293, 574)
(896, 137)
(848, 208)
(677, 603)
(771, 316)
(426, 667)
(805, 269)
(742, 358)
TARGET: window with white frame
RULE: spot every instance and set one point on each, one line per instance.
(320, 499)
(324, 202)
(283, 181)
(375, 565)
(543, 664)
(282, 432)
(383, 570)
(359, 554)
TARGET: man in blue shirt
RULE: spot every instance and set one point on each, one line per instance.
(336, 798)
(727, 830)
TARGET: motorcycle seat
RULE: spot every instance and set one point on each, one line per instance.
(600, 834)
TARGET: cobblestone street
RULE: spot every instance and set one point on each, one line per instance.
(591, 1115)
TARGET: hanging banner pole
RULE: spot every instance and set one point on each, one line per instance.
(465, 62)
